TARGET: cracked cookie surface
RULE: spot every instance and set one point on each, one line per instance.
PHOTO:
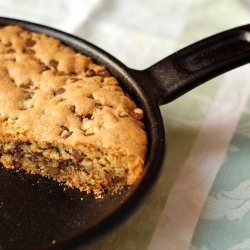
(59, 105)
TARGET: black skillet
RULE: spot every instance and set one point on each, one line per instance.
(36, 212)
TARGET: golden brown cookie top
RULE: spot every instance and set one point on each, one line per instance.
(53, 94)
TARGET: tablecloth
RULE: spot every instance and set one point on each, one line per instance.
(202, 198)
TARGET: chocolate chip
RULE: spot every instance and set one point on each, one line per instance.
(59, 91)
(11, 60)
(60, 73)
(53, 63)
(62, 165)
(73, 79)
(87, 133)
(103, 73)
(29, 95)
(78, 167)
(18, 152)
(37, 167)
(17, 164)
(98, 106)
(29, 42)
(53, 171)
(117, 179)
(12, 79)
(88, 116)
(113, 179)
(22, 108)
(108, 177)
(65, 132)
(62, 100)
(90, 73)
(29, 51)
(80, 117)
(8, 44)
(72, 108)
(65, 128)
(26, 85)
(19, 143)
(79, 156)
(10, 51)
(38, 158)
(90, 96)
(42, 65)
(44, 68)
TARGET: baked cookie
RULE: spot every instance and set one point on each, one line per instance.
(65, 117)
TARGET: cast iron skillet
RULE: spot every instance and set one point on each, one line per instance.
(35, 211)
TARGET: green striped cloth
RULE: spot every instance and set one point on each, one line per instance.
(201, 200)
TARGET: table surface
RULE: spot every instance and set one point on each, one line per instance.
(202, 197)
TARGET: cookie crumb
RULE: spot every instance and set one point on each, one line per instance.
(137, 113)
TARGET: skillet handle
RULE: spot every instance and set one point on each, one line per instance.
(198, 63)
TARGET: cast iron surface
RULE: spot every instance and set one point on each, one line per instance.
(35, 211)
